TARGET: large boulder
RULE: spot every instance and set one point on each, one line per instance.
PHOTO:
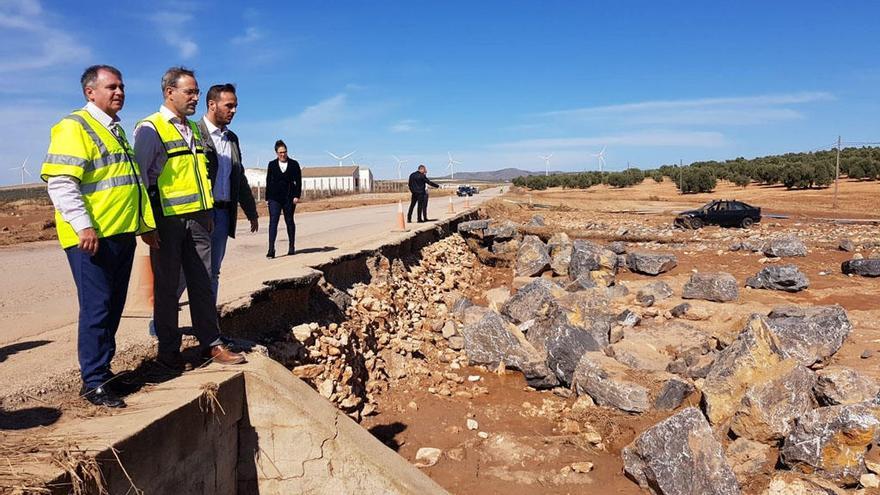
(792, 483)
(474, 227)
(650, 264)
(570, 335)
(673, 393)
(711, 286)
(832, 441)
(504, 231)
(560, 253)
(532, 257)
(534, 299)
(587, 257)
(865, 267)
(608, 383)
(769, 408)
(812, 334)
(841, 385)
(751, 358)
(784, 247)
(680, 456)
(787, 278)
(750, 459)
(492, 341)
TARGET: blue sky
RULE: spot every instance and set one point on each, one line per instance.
(497, 83)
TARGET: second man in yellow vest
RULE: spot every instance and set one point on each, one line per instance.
(169, 149)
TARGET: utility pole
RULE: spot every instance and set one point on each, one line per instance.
(680, 177)
(837, 173)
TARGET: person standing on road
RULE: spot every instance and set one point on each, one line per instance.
(101, 205)
(418, 182)
(169, 147)
(230, 187)
(283, 190)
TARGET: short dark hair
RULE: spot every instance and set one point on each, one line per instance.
(279, 144)
(173, 74)
(90, 75)
(422, 166)
(215, 90)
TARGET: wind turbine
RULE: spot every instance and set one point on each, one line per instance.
(340, 158)
(600, 157)
(546, 163)
(399, 163)
(451, 166)
(23, 169)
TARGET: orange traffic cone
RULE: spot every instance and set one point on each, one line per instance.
(140, 295)
(451, 208)
(401, 224)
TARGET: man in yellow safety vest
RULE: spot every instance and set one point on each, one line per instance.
(100, 204)
(169, 147)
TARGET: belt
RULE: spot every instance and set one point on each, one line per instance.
(223, 204)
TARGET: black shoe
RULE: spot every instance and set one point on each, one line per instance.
(408, 220)
(122, 385)
(100, 396)
(271, 253)
(171, 362)
(291, 252)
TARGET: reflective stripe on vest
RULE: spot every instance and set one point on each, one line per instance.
(183, 183)
(109, 178)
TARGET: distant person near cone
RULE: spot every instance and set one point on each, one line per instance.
(418, 182)
(100, 204)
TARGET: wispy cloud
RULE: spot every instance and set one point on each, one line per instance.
(31, 41)
(172, 28)
(405, 125)
(702, 139)
(250, 35)
(737, 101)
(735, 110)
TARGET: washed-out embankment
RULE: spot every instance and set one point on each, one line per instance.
(242, 430)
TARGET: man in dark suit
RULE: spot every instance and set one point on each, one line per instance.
(229, 185)
(283, 190)
(418, 182)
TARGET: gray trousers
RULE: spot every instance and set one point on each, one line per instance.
(184, 243)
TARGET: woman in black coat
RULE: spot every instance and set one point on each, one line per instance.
(283, 189)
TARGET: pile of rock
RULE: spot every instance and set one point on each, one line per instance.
(763, 390)
(407, 315)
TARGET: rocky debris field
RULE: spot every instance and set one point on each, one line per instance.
(658, 367)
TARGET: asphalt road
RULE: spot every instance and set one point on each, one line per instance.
(38, 310)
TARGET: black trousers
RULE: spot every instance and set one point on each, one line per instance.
(276, 209)
(185, 244)
(420, 199)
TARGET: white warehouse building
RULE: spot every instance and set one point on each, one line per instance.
(349, 179)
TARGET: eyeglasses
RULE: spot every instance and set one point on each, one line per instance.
(189, 92)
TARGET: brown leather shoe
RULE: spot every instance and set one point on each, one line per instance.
(222, 355)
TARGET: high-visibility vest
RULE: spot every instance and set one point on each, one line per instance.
(183, 184)
(109, 178)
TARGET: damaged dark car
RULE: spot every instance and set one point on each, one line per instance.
(726, 213)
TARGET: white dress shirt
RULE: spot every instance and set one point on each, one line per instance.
(220, 138)
(64, 189)
(282, 166)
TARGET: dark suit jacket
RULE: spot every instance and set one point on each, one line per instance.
(418, 183)
(283, 186)
(239, 189)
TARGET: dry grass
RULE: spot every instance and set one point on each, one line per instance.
(208, 402)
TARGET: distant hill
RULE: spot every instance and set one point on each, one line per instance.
(503, 175)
